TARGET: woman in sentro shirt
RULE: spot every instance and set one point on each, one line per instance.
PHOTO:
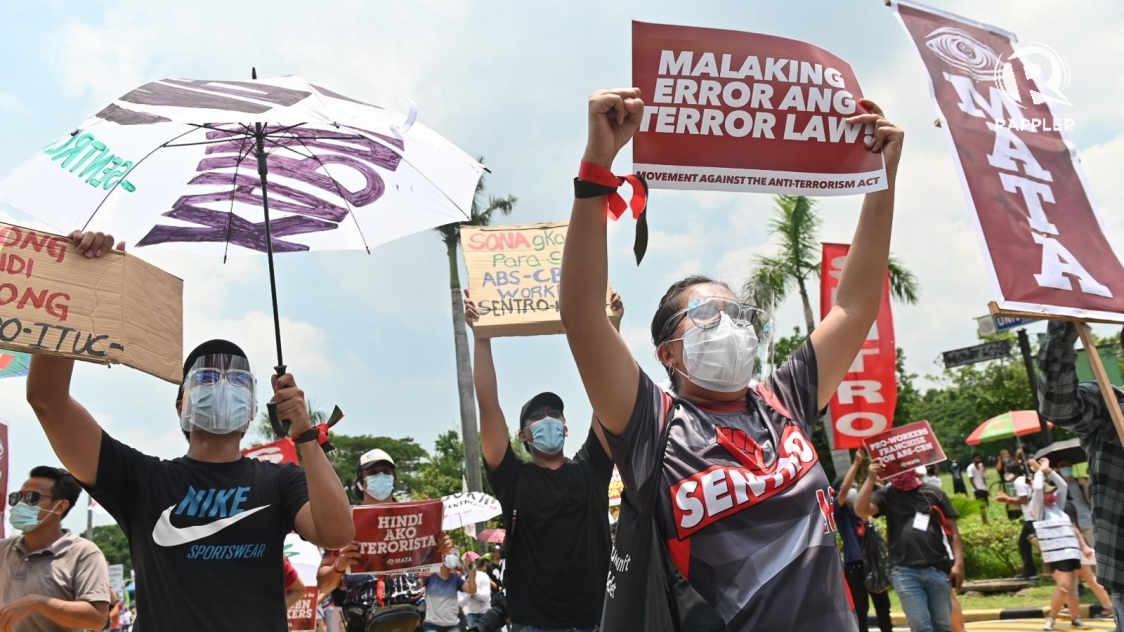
(746, 513)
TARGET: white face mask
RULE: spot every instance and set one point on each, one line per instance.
(452, 561)
(219, 408)
(721, 358)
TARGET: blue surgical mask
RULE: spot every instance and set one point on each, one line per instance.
(548, 435)
(219, 408)
(380, 486)
(1066, 472)
(25, 518)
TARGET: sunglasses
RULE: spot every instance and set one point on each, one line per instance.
(543, 413)
(706, 313)
(29, 498)
(208, 377)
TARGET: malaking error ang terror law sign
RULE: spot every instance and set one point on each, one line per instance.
(732, 111)
(110, 309)
(513, 276)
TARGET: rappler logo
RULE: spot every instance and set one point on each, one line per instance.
(1041, 65)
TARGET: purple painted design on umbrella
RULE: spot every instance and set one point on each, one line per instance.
(310, 213)
(117, 114)
(179, 93)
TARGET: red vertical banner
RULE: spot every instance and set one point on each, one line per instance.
(3, 476)
(864, 404)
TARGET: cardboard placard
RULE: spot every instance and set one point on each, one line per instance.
(110, 309)
(398, 537)
(513, 275)
(282, 451)
(302, 616)
(905, 447)
(733, 111)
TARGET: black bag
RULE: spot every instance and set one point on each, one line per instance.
(876, 560)
(640, 594)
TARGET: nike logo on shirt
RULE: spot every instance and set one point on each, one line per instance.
(165, 534)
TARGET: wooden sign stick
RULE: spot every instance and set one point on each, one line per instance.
(1102, 378)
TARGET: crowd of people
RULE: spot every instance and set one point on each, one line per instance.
(728, 519)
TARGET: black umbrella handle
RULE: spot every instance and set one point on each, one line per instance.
(280, 426)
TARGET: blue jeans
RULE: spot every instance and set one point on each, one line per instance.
(1118, 609)
(518, 628)
(429, 627)
(471, 619)
(926, 597)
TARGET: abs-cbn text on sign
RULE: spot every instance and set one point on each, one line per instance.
(905, 448)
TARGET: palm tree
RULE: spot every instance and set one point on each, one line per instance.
(261, 432)
(482, 215)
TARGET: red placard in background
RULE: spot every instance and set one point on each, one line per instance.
(734, 111)
(302, 616)
(282, 451)
(398, 537)
(905, 447)
(864, 404)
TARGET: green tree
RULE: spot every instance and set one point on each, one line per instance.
(114, 546)
(442, 475)
(409, 459)
(482, 215)
(261, 432)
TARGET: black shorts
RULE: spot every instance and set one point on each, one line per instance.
(1066, 566)
(981, 494)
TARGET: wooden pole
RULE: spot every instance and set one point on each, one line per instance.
(1102, 378)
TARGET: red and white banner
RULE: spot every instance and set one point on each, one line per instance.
(905, 447)
(864, 404)
(733, 111)
(398, 537)
(1044, 243)
(282, 451)
(3, 477)
(302, 616)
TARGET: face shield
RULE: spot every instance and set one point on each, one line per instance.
(219, 394)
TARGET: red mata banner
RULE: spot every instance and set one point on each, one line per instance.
(302, 616)
(1043, 241)
(283, 451)
(733, 111)
(905, 447)
(864, 403)
(398, 537)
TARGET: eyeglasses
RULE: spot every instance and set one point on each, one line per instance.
(543, 413)
(30, 498)
(706, 313)
(235, 377)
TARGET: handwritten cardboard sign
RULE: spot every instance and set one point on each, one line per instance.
(905, 447)
(111, 309)
(398, 537)
(302, 616)
(732, 111)
(513, 275)
(282, 451)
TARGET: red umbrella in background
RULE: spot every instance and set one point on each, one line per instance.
(1017, 423)
(493, 536)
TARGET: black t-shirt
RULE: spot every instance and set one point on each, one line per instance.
(206, 539)
(558, 556)
(910, 546)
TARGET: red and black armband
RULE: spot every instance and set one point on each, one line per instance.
(596, 181)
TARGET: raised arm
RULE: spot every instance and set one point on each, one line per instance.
(840, 336)
(494, 439)
(608, 370)
(74, 434)
(863, 507)
(849, 478)
(325, 520)
(1078, 407)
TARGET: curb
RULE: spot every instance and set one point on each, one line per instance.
(972, 616)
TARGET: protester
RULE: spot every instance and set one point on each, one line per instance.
(51, 580)
(475, 604)
(925, 546)
(294, 587)
(126, 618)
(557, 552)
(441, 590)
(1082, 409)
(957, 478)
(363, 599)
(707, 341)
(1078, 497)
(851, 530)
(932, 476)
(496, 568)
(1021, 501)
(212, 523)
(114, 612)
(977, 477)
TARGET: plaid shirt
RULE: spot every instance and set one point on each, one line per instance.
(1081, 409)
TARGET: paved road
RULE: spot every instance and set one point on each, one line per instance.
(1029, 625)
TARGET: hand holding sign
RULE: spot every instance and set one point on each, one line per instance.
(93, 244)
(887, 138)
(614, 117)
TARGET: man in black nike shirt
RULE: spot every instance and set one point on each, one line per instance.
(212, 523)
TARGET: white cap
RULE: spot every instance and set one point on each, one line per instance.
(375, 456)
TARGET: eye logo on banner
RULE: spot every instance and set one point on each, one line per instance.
(963, 51)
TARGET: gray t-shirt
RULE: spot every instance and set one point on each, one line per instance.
(71, 569)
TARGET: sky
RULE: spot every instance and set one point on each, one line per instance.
(373, 333)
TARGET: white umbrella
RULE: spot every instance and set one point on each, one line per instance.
(469, 508)
(304, 556)
(237, 167)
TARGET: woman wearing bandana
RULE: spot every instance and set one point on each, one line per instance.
(743, 504)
